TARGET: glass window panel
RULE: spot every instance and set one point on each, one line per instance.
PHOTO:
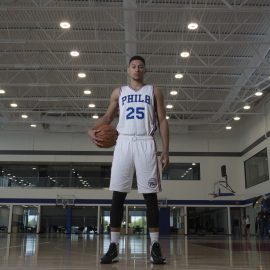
(94, 175)
(182, 171)
(256, 169)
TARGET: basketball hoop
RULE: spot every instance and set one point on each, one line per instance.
(222, 187)
(65, 200)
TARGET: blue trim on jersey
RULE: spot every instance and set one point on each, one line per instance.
(154, 113)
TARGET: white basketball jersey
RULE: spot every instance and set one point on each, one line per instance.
(137, 111)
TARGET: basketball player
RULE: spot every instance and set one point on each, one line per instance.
(141, 106)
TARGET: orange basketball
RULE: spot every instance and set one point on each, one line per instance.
(108, 134)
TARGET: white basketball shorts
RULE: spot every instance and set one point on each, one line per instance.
(135, 153)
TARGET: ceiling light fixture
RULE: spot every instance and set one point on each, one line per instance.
(65, 25)
(2, 91)
(184, 54)
(81, 75)
(258, 93)
(13, 105)
(173, 93)
(91, 105)
(87, 92)
(236, 118)
(24, 116)
(167, 117)
(193, 26)
(178, 75)
(169, 106)
(228, 127)
(95, 116)
(74, 53)
(246, 107)
(33, 125)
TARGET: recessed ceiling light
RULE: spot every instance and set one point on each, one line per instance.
(228, 127)
(184, 54)
(246, 107)
(74, 53)
(236, 118)
(13, 105)
(178, 76)
(193, 164)
(87, 92)
(259, 93)
(193, 26)
(167, 117)
(95, 116)
(169, 106)
(33, 125)
(91, 105)
(2, 91)
(173, 92)
(24, 116)
(81, 75)
(65, 25)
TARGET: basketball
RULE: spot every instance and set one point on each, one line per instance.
(108, 134)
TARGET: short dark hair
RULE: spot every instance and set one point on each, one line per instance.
(136, 57)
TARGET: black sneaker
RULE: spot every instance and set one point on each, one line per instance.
(111, 255)
(156, 255)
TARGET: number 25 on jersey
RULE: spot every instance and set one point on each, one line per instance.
(133, 113)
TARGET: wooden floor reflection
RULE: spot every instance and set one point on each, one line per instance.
(81, 252)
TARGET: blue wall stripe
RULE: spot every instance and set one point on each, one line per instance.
(136, 202)
(109, 153)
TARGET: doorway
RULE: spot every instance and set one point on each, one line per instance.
(137, 220)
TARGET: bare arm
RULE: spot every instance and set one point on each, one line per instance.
(164, 128)
(107, 118)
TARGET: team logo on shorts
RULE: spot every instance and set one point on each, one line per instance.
(152, 183)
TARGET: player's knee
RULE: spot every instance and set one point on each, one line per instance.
(117, 208)
(118, 198)
(152, 210)
(150, 200)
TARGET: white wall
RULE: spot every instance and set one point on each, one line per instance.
(42, 140)
(253, 127)
(210, 173)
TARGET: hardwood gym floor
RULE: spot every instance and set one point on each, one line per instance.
(81, 252)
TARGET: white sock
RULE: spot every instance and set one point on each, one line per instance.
(154, 237)
(115, 237)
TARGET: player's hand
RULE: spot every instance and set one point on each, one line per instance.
(93, 135)
(164, 159)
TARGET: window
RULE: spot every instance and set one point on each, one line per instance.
(94, 175)
(182, 171)
(256, 169)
